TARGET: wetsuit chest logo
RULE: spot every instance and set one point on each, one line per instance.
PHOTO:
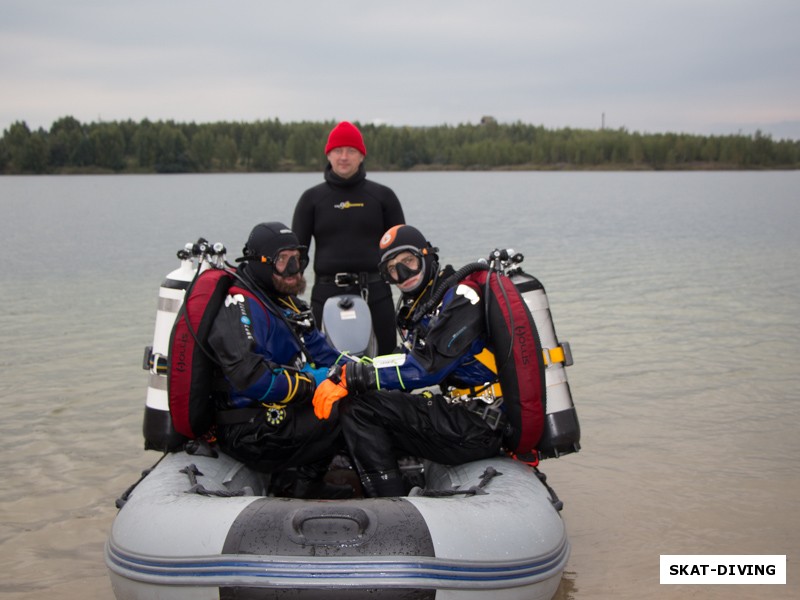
(347, 204)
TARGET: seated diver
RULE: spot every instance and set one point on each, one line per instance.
(379, 416)
(271, 356)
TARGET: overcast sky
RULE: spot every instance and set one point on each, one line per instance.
(697, 66)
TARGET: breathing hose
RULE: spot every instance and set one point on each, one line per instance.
(442, 289)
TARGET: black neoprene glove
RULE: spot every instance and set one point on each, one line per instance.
(360, 377)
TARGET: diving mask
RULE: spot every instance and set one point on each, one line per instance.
(401, 266)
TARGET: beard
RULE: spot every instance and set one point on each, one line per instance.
(289, 289)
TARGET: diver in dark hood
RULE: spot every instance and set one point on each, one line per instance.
(407, 259)
(411, 263)
(272, 358)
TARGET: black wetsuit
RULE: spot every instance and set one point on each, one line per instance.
(346, 218)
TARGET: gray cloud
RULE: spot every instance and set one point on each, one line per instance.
(708, 66)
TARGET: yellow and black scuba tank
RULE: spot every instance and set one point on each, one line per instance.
(158, 429)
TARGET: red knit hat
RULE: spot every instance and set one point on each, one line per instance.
(346, 134)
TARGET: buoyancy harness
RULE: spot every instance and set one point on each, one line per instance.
(528, 359)
(159, 432)
(515, 342)
(192, 368)
(185, 379)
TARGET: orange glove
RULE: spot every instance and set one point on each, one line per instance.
(328, 393)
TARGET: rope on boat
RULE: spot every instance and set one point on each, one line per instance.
(123, 499)
(476, 490)
(198, 488)
(557, 504)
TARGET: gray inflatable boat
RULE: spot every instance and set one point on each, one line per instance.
(203, 526)
(200, 527)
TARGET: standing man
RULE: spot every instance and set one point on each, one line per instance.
(346, 216)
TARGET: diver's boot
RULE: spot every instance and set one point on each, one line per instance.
(383, 484)
(310, 483)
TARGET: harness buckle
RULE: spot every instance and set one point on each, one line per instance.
(486, 405)
(345, 279)
(490, 413)
(154, 362)
(363, 283)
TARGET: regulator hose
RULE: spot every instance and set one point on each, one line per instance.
(454, 279)
(442, 289)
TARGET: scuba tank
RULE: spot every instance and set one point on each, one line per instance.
(159, 434)
(562, 431)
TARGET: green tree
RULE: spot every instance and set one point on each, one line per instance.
(226, 152)
(66, 136)
(109, 146)
(145, 145)
(267, 154)
(202, 149)
(28, 151)
(171, 150)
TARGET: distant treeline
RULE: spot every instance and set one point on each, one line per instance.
(271, 146)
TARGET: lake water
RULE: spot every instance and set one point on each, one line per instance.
(679, 293)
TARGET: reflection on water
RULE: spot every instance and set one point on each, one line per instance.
(678, 292)
(566, 589)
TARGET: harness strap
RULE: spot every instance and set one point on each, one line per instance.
(492, 414)
(350, 279)
(192, 472)
(494, 389)
(489, 474)
(560, 354)
(235, 416)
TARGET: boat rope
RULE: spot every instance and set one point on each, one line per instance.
(123, 499)
(476, 490)
(557, 504)
(197, 488)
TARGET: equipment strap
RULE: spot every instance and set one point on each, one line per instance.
(154, 362)
(475, 490)
(495, 389)
(350, 279)
(560, 354)
(235, 416)
(272, 308)
(191, 471)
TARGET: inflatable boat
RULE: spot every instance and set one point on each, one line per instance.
(199, 527)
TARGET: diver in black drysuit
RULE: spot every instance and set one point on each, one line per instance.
(379, 421)
(271, 358)
(346, 218)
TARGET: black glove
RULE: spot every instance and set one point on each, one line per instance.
(360, 377)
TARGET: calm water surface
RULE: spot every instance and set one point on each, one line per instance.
(679, 292)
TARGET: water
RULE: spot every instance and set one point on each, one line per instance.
(679, 292)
